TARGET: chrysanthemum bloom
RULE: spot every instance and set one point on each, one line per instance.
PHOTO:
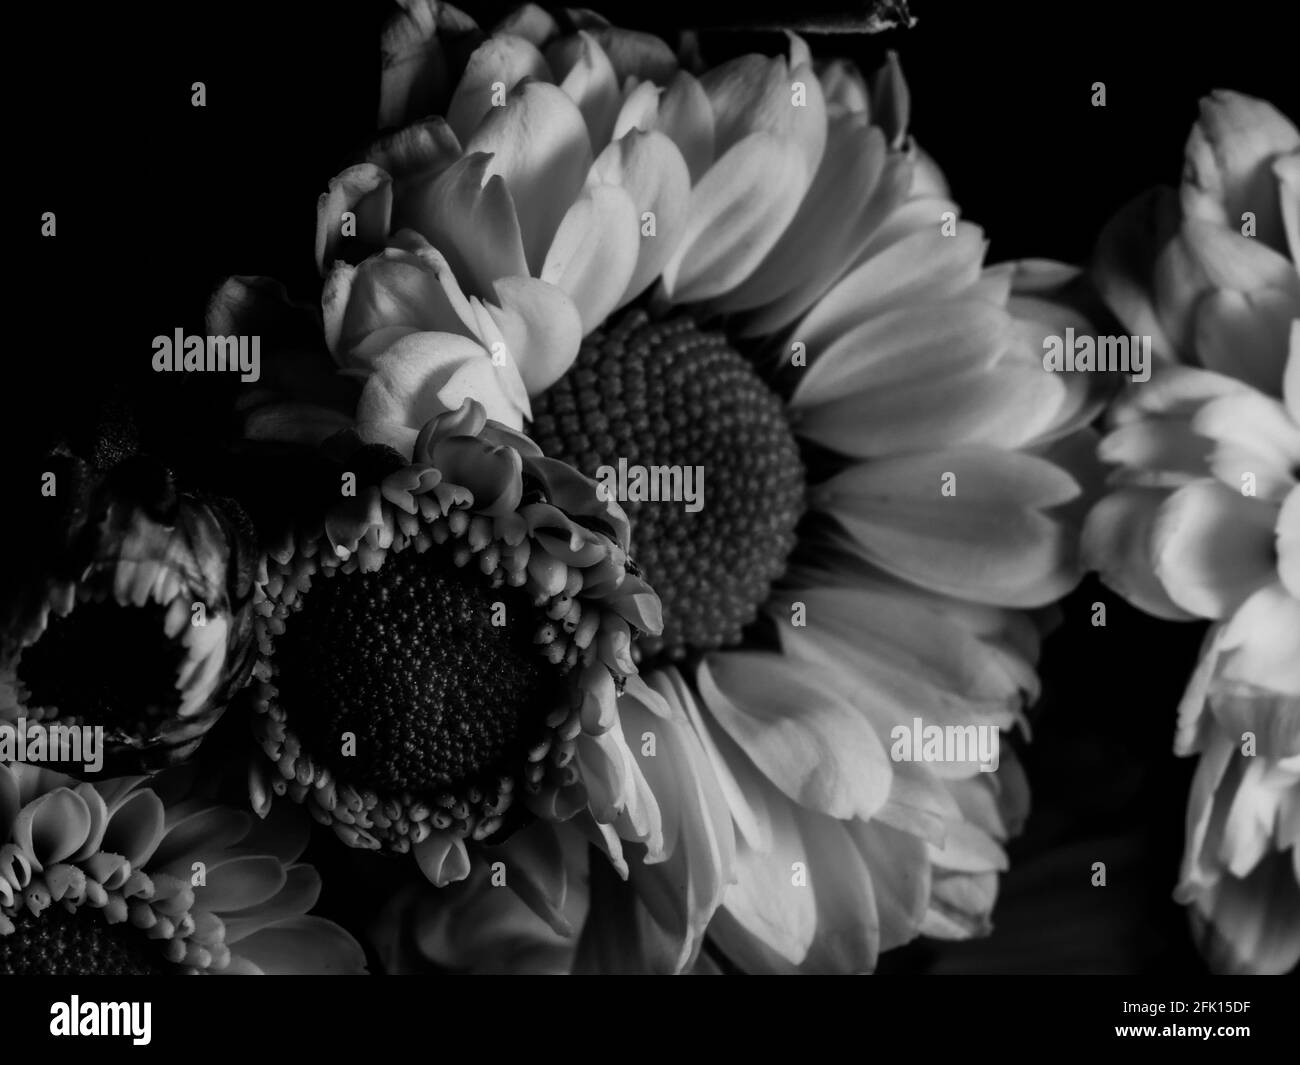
(444, 648)
(1204, 519)
(120, 877)
(136, 615)
(875, 433)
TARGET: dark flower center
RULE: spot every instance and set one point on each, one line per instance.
(58, 943)
(438, 684)
(105, 664)
(685, 415)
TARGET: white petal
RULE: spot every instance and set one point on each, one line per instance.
(738, 211)
(426, 374)
(1117, 544)
(541, 327)
(539, 145)
(365, 191)
(590, 82)
(801, 733)
(469, 216)
(651, 169)
(908, 345)
(686, 117)
(639, 110)
(990, 542)
(1212, 547)
(754, 94)
(921, 267)
(1229, 163)
(495, 67)
(595, 251)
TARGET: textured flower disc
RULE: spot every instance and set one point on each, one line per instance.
(58, 943)
(665, 393)
(423, 686)
(408, 660)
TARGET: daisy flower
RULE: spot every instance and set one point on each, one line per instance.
(440, 651)
(129, 877)
(136, 611)
(1204, 517)
(750, 270)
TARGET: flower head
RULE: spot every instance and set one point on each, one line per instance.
(1204, 518)
(441, 652)
(129, 876)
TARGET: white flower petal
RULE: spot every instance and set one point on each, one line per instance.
(755, 94)
(1253, 434)
(541, 328)
(426, 148)
(639, 110)
(824, 756)
(1212, 547)
(738, 211)
(824, 234)
(1260, 647)
(1246, 334)
(1229, 163)
(687, 119)
(766, 905)
(595, 251)
(905, 346)
(539, 145)
(425, 374)
(919, 268)
(495, 67)
(990, 542)
(590, 82)
(366, 192)
(651, 169)
(469, 215)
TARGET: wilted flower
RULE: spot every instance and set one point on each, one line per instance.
(596, 203)
(132, 877)
(1204, 519)
(136, 612)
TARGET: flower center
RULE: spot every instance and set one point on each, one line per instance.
(408, 660)
(699, 452)
(419, 687)
(58, 943)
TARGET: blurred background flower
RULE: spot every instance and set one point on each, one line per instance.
(1204, 519)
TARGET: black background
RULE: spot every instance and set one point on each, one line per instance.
(157, 201)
